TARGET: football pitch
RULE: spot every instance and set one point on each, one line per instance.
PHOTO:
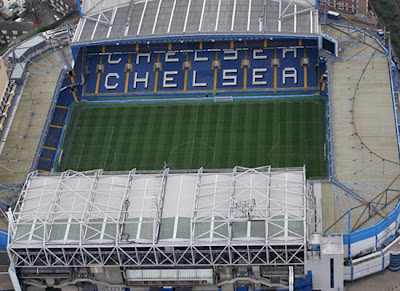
(123, 136)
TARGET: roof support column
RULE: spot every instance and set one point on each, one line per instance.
(160, 206)
(89, 205)
(123, 214)
(195, 204)
(232, 204)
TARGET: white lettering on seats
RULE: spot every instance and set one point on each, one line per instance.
(294, 51)
(258, 57)
(108, 86)
(259, 76)
(289, 73)
(233, 78)
(143, 55)
(137, 80)
(194, 81)
(167, 80)
(199, 59)
(169, 59)
(113, 62)
(230, 55)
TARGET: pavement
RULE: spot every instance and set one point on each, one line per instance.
(378, 282)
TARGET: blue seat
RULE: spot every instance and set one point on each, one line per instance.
(58, 117)
(52, 137)
(44, 164)
(47, 154)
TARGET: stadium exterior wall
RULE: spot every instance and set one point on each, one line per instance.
(371, 238)
(370, 264)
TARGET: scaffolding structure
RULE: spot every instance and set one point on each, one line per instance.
(258, 216)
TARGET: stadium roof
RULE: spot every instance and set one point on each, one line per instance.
(261, 206)
(138, 20)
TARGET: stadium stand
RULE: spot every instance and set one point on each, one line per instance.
(202, 70)
(145, 230)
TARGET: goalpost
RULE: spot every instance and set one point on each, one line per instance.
(223, 99)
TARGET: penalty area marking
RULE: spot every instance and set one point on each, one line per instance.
(80, 157)
(108, 146)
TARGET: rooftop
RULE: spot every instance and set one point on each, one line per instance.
(154, 19)
(239, 206)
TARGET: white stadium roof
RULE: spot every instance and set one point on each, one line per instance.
(242, 206)
(121, 20)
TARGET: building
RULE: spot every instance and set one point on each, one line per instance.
(64, 6)
(6, 3)
(10, 30)
(349, 6)
(164, 229)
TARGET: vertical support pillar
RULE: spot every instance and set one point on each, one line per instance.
(79, 7)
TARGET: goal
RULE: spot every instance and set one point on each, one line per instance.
(223, 99)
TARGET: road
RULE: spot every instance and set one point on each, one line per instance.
(44, 12)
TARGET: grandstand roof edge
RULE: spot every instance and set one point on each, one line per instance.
(192, 38)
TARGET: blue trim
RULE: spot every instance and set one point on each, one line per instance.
(334, 42)
(196, 98)
(355, 204)
(194, 37)
(60, 140)
(340, 207)
(225, 93)
(362, 31)
(79, 8)
(3, 240)
(371, 198)
(35, 55)
(58, 58)
(372, 186)
(394, 108)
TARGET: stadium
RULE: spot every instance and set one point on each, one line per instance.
(199, 145)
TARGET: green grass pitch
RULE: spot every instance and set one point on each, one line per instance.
(123, 136)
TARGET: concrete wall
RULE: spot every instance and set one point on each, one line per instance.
(320, 267)
(371, 263)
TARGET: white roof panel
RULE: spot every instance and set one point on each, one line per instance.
(155, 19)
(261, 205)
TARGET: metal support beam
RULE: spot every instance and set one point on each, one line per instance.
(123, 214)
(160, 206)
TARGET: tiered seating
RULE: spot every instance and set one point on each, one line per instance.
(288, 60)
(55, 130)
(52, 137)
(65, 97)
(201, 70)
(59, 116)
(47, 154)
(44, 165)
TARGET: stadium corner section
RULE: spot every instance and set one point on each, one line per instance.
(270, 68)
